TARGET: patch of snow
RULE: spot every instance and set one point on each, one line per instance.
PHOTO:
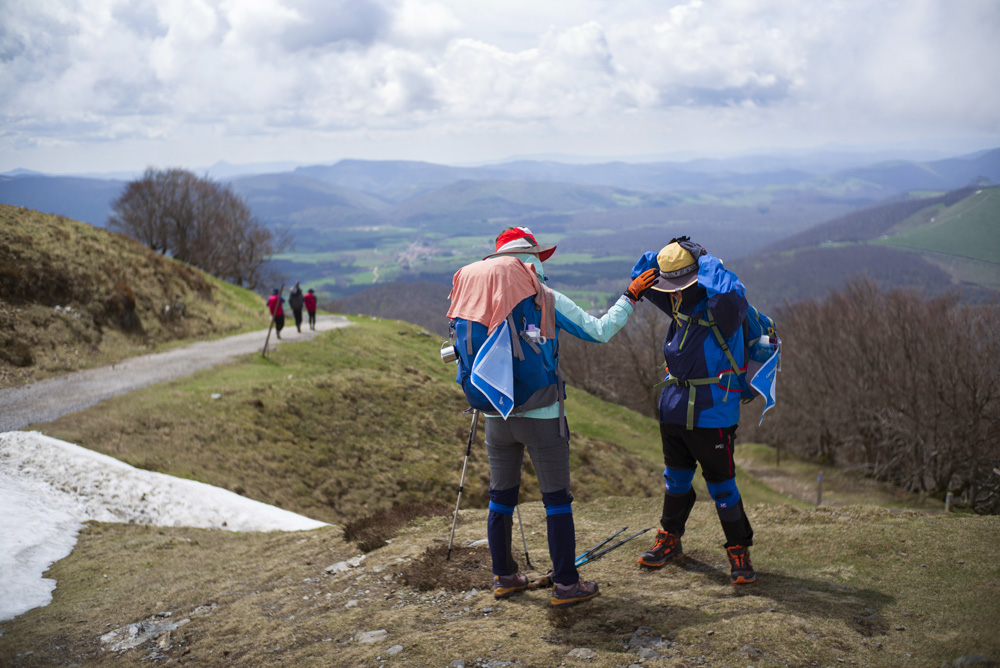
(48, 488)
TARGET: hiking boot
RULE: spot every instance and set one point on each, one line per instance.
(505, 586)
(666, 547)
(741, 568)
(564, 596)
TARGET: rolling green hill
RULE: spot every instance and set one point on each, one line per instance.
(931, 242)
(356, 422)
(969, 228)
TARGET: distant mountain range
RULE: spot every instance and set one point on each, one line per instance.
(360, 223)
(361, 185)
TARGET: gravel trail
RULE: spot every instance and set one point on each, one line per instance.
(48, 399)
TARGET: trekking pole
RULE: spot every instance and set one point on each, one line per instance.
(263, 353)
(588, 556)
(524, 540)
(597, 555)
(468, 450)
(583, 555)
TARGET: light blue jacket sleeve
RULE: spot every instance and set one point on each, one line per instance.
(574, 320)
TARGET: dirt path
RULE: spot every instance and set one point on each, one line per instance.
(48, 399)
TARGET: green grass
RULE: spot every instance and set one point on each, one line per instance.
(968, 229)
(790, 477)
(357, 420)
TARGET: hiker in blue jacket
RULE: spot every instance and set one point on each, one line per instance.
(545, 434)
(700, 402)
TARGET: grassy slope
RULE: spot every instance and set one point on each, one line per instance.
(966, 229)
(962, 239)
(117, 290)
(356, 421)
(369, 412)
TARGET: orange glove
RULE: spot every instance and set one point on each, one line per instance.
(643, 282)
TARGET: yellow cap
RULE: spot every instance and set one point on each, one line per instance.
(678, 268)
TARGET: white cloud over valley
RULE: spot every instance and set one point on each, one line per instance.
(96, 85)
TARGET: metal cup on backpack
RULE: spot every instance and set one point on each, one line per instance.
(448, 352)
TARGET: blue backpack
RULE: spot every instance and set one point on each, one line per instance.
(536, 381)
(755, 325)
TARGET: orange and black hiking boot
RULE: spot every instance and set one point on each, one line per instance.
(739, 561)
(666, 547)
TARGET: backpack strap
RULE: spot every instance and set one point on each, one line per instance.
(515, 340)
(711, 324)
(693, 383)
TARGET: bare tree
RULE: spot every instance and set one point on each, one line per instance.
(198, 221)
(894, 384)
(898, 386)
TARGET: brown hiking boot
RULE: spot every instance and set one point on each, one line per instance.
(505, 586)
(739, 562)
(666, 547)
(564, 596)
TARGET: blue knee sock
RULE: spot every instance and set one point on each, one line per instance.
(562, 536)
(498, 529)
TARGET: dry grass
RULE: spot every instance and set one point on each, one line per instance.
(853, 585)
(74, 296)
(798, 479)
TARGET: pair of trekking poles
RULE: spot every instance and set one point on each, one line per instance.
(595, 552)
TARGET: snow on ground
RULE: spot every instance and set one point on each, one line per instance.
(48, 488)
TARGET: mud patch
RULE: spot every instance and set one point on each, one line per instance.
(468, 568)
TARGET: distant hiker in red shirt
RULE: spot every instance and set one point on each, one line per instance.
(310, 300)
(274, 303)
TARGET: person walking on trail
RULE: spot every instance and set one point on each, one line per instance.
(310, 302)
(274, 303)
(296, 300)
(543, 431)
(698, 413)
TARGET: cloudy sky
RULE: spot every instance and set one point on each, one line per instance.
(100, 85)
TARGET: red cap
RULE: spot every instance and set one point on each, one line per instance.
(520, 240)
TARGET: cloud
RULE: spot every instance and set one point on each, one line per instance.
(777, 70)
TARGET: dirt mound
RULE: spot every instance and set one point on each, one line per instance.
(467, 568)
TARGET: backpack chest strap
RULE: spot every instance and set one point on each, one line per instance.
(711, 324)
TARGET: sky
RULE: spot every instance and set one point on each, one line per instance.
(104, 85)
(48, 488)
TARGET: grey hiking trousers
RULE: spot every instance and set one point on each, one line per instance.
(549, 452)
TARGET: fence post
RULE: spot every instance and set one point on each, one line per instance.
(819, 488)
(947, 502)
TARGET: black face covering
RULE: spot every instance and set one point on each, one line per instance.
(693, 294)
